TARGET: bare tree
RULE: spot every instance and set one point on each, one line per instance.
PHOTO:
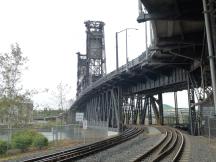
(61, 95)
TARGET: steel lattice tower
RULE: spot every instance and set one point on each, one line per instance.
(92, 66)
(95, 50)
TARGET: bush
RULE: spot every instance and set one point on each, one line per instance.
(40, 141)
(23, 139)
(23, 132)
(3, 147)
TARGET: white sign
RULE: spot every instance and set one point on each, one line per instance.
(79, 117)
(85, 124)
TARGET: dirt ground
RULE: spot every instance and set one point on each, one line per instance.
(16, 154)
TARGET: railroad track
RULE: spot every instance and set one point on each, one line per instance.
(80, 152)
(169, 149)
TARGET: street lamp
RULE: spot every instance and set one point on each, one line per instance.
(126, 47)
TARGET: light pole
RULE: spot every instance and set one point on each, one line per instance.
(117, 65)
(117, 51)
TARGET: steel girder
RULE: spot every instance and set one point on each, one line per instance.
(105, 108)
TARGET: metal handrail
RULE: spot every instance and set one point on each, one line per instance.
(140, 59)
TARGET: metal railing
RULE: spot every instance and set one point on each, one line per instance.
(140, 59)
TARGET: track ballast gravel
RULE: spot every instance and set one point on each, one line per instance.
(125, 151)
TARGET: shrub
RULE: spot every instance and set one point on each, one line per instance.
(3, 147)
(40, 141)
(26, 138)
(22, 142)
(23, 139)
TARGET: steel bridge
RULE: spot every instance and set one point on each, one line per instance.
(181, 57)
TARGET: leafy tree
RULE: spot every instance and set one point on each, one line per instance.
(11, 65)
(12, 97)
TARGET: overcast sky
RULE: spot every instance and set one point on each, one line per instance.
(50, 32)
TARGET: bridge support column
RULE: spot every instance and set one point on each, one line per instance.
(138, 108)
(143, 111)
(125, 110)
(191, 103)
(176, 108)
(116, 108)
(120, 108)
(149, 112)
(132, 110)
(71, 115)
(160, 104)
(148, 105)
(154, 107)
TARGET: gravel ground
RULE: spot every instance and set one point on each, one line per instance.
(30, 155)
(21, 157)
(197, 149)
(151, 135)
(128, 150)
(187, 149)
(201, 149)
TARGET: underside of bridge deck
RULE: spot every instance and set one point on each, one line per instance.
(177, 59)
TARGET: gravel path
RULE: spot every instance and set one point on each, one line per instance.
(128, 150)
(201, 149)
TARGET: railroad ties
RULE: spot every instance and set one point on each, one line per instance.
(169, 149)
(80, 152)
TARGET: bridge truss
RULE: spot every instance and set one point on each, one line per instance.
(176, 60)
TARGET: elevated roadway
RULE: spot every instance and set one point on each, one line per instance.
(177, 59)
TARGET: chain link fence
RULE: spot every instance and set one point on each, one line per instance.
(208, 127)
(207, 122)
(183, 117)
(59, 133)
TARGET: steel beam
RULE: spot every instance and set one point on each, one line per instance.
(154, 107)
(210, 52)
(176, 108)
(149, 112)
(144, 110)
(192, 111)
(149, 17)
(160, 104)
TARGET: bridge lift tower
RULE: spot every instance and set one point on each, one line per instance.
(92, 66)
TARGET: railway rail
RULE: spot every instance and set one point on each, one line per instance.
(80, 152)
(168, 149)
